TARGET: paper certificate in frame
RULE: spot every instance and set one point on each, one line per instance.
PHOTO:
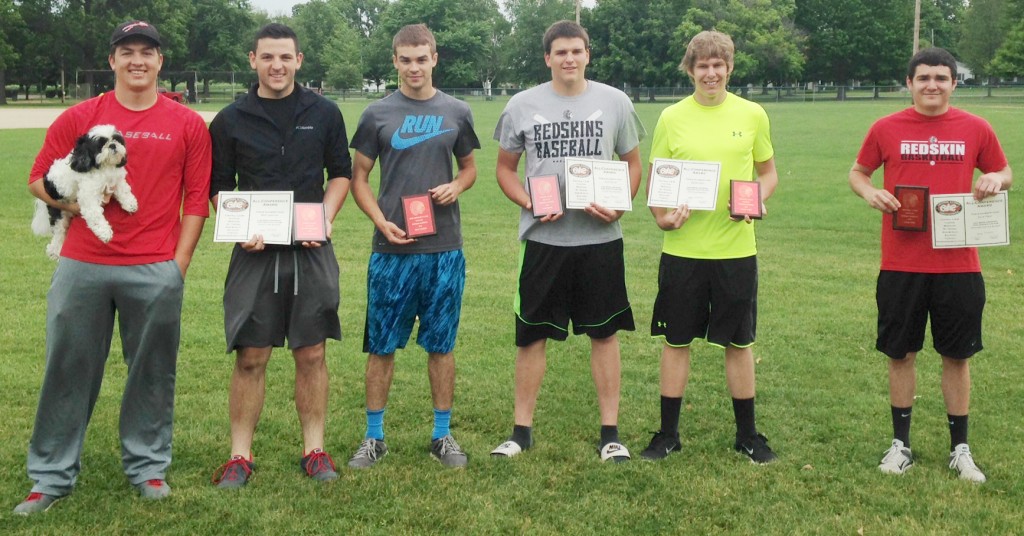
(678, 182)
(419, 215)
(240, 215)
(604, 182)
(960, 221)
(545, 195)
(310, 222)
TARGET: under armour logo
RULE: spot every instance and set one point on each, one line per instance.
(737, 133)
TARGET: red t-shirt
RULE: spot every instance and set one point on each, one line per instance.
(941, 153)
(168, 170)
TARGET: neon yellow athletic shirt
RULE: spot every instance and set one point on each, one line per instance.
(734, 133)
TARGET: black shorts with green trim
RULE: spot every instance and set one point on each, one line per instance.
(711, 299)
(906, 300)
(585, 285)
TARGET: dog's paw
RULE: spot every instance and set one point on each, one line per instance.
(104, 234)
(130, 205)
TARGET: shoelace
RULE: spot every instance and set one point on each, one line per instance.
(224, 470)
(367, 449)
(448, 445)
(318, 461)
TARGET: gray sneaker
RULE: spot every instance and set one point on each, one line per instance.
(370, 450)
(154, 489)
(35, 503)
(448, 452)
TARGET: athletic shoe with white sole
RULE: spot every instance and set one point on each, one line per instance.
(369, 452)
(447, 451)
(35, 503)
(897, 459)
(756, 448)
(662, 444)
(961, 461)
(615, 452)
(507, 449)
(153, 489)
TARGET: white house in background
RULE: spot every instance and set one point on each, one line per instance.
(963, 73)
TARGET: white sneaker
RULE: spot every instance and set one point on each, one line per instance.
(897, 459)
(507, 449)
(962, 462)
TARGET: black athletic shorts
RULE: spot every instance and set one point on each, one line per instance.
(278, 293)
(582, 284)
(712, 299)
(906, 300)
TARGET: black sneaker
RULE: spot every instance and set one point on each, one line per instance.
(662, 444)
(756, 448)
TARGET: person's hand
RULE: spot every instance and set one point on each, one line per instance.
(445, 194)
(395, 235)
(254, 244)
(670, 220)
(747, 219)
(881, 199)
(987, 185)
(328, 227)
(606, 215)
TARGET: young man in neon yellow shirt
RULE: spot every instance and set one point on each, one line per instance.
(707, 281)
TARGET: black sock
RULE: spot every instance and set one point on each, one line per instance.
(523, 436)
(957, 430)
(670, 415)
(609, 434)
(744, 412)
(901, 424)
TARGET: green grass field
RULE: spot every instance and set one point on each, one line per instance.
(822, 391)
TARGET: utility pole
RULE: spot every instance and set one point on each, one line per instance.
(917, 25)
(578, 11)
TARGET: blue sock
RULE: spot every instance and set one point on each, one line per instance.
(442, 421)
(375, 424)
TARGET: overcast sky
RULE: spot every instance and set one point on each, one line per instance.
(279, 7)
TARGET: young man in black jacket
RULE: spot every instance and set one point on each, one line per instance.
(280, 136)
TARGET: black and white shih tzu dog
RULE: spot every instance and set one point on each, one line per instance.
(90, 175)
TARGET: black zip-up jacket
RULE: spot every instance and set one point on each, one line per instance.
(247, 144)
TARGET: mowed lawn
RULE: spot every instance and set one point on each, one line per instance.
(822, 388)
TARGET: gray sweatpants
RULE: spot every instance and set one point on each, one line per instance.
(80, 309)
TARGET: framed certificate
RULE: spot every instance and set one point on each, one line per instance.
(419, 215)
(240, 215)
(960, 221)
(745, 199)
(545, 196)
(310, 222)
(604, 182)
(677, 182)
(914, 208)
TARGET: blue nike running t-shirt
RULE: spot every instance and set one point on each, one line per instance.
(415, 142)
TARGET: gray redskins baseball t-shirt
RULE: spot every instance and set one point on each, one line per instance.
(415, 141)
(546, 128)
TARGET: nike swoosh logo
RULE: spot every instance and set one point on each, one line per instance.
(749, 450)
(398, 142)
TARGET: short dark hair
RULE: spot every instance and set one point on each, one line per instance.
(932, 57)
(565, 29)
(414, 35)
(276, 30)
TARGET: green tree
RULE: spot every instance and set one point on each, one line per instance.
(342, 58)
(315, 23)
(1009, 59)
(11, 30)
(979, 37)
(634, 43)
(522, 50)
(856, 39)
(219, 39)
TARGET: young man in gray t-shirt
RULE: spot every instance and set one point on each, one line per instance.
(414, 133)
(572, 267)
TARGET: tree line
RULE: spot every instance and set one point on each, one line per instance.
(635, 43)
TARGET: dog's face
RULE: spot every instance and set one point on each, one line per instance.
(101, 147)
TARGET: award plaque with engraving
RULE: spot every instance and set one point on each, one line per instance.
(914, 208)
(419, 215)
(545, 195)
(745, 200)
